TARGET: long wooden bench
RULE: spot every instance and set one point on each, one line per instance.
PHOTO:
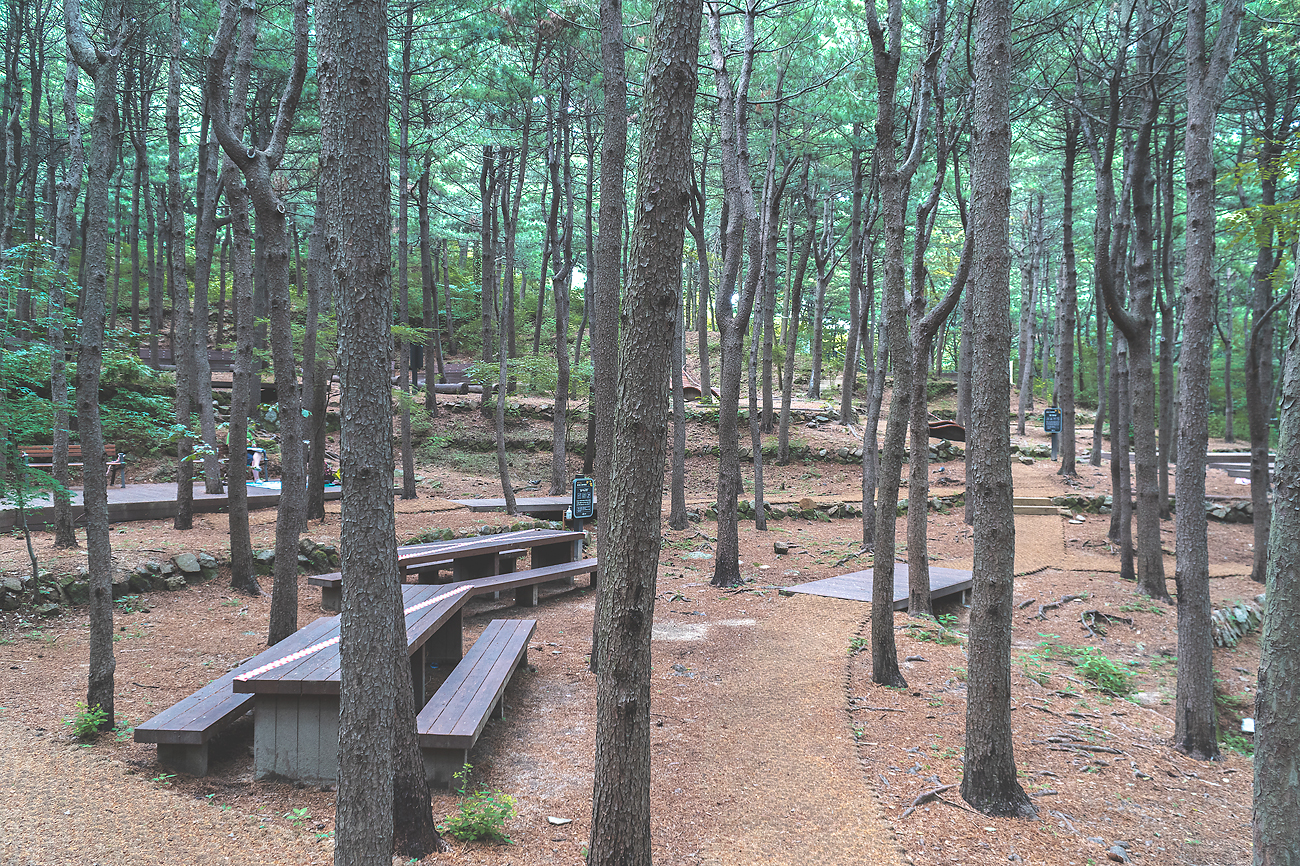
(526, 584)
(42, 457)
(450, 724)
(183, 730)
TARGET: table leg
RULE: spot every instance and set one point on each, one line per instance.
(445, 646)
(418, 671)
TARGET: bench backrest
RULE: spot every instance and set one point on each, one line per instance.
(45, 453)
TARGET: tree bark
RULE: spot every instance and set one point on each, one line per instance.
(1194, 713)
(989, 783)
(1277, 701)
(257, 167)
(620, 822)
(69, 189)
(100, 64)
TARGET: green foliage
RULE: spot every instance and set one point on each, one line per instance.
(482, 813)
(935, 629)
(1232, 741)
(86, 722)
(1108, 675)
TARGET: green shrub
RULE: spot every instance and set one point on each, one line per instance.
(482, 814)
(85, 724)
(1108, 675)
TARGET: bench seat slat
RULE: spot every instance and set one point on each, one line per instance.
(456, 715)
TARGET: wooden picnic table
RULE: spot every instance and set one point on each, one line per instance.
(296, 723)
(484, 554)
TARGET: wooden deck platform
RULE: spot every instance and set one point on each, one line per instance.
(857, 585)
(543, 507)
(146, 502)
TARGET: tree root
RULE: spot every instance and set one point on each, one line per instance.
(1053, 605)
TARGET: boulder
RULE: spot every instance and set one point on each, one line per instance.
(78, 592)
(263, 562)
(9, 601)
(11, 584)
(140, 582)
(47, 610)
(174, 582)
(208, 566)
(122, 584)
(187, 563)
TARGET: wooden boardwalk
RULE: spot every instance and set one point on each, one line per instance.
(145, 502)
(542, 507)
(857, 585)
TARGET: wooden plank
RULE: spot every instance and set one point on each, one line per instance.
(458, 712)
(856, 586)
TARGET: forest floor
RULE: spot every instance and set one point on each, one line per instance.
(770, 743)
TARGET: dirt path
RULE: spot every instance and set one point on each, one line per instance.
(61, 804)
(778, 750)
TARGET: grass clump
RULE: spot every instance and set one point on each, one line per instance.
(86, 722)
(482, 814)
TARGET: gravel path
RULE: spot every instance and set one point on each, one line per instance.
(62, 804)
(781, 744)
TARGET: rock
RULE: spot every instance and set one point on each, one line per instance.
(264, 562)
(806, 504)
(49, 609)
(558, 822)
(174, 583)
(1118, 854)
(167, 568)
(1150, 700)
(152, 566)
(140, 582)
(122, 584)
(208, 566)
(11, 584)
(320, 561)
(1026, 460)
(9, 601)
(78, 592)
(780, 547)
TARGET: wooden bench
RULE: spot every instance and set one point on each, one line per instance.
(183, 730)
(425, 571)
(42, 457)
(450, 724)
(331, 590)
(526, 584)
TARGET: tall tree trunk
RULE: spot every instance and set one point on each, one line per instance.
(205, 241)
(989, 783)
(561, 241)
(100, 64)
(1067, 303)
(375, 716)
(257, 168)
(246, 380)
(742, 227)
(186, 345)
(68, 190)
(429, 284)
(677, 486)
(620, 820)
(856, 311)
(1194, 714)
(404, 256)
(1277, 701)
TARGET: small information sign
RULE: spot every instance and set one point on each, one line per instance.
(584, 498)
(1052, 420)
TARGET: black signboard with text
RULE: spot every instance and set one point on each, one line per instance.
(584, 498)
(1052, 420)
